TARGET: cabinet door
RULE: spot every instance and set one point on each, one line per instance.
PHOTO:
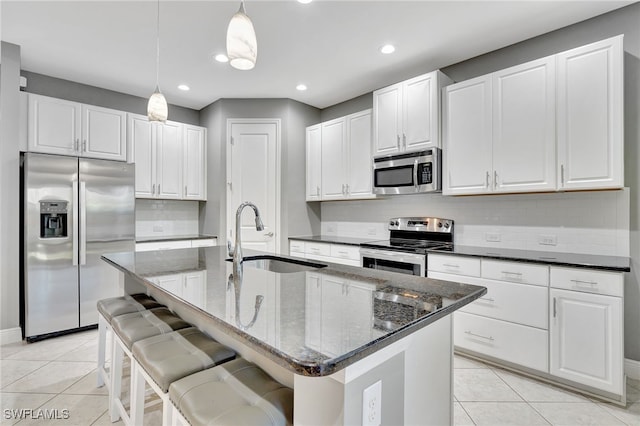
(141, 136)
(387, 119)
(467, 131)
(420, 113)
(54, 126)
(590, 115)
(524, 127)
(586, 339)
(334, 180)
(360, 163)
(170, 283)
(359, 323)
(169, 161)
(104, 133)
(194, 288)
(314, 162)
(332, 331)
(313, 312)
(195, 163)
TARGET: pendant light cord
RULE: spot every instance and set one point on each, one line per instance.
(158, 50)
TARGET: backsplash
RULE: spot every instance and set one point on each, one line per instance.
(594, 222)
(165, 218)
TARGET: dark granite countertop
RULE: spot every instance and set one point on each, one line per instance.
(157, 239)
(313, 323)
(607, 263)
(351, 241)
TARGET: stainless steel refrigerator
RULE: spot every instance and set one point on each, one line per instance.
(74, 210)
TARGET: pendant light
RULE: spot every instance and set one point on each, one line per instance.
(242, 47)
(157, 109)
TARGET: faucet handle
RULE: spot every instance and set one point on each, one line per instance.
(230, 248)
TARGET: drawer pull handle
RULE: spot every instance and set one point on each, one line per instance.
(580, 282)
(449, 265)
(512, 273)
(488, 299)
(478, 335)
(345, 253)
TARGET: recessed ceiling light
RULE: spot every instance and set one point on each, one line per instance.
(301, 87)
(387, 49)
(221, 57)
(183, 87)
(305, 1)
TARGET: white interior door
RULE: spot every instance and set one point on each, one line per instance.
(253, 174)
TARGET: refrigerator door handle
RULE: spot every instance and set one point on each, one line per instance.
(83, 223)
(74, 232)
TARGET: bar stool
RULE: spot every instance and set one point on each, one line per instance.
(128, 329)
(109, 308)
(235, 393)
(163, 359)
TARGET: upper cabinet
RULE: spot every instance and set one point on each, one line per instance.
(57, 126)
(339, 158)
(550, 124)
(406, 115)
(170, 159)
(590, 116)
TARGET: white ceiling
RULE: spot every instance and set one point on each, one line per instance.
(331, 46)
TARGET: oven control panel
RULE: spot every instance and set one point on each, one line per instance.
(421, 224)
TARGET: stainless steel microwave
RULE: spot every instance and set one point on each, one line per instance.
(408, 173)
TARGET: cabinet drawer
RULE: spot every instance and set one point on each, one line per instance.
(206, 242)
(519, 303)
(526, 346)
(458, 265)
(163, 245)
(318, 249)
(345, 252)
(515, 272)
(588, 280)
(296, 246)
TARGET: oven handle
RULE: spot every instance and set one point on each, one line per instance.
(392, 255)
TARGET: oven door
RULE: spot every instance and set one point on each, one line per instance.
(394, 261)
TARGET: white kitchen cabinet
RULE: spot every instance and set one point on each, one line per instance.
(57, 126)
(314, 162)
(194, 163)
(343, 254)
(169, 160)
(141, 136)
(499, 131)
(590, 116)
(524, 140)
(333, 159)
(467, 137)
(189, 286)
(339, 158)
(406, 115)
(586, 328)
(176, 244)
(313, 312)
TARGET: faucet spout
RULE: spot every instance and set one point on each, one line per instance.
(237, 250)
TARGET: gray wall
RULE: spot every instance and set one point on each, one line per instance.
(294, 116)
(9, 187)
(622, 21)
(77, 92)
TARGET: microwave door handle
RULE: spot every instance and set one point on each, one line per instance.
(415, 174)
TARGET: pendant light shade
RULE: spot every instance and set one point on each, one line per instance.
(157, 109)
(242, 47)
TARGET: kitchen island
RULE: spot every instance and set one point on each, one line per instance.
(335, 334)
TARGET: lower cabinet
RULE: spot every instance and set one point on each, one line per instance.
(189, 286)
(564, 322)
(176, 244)
(343, 254)
(328, 330)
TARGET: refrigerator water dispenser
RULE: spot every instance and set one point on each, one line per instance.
(53, 219)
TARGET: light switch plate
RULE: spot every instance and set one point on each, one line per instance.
(548, 240)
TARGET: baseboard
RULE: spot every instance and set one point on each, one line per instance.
(632, 369)
(10, 335)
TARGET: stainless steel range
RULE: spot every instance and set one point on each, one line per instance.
(406, 249)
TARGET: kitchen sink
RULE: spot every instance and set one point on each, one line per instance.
(280, 265)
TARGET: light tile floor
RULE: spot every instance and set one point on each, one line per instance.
(59, 374)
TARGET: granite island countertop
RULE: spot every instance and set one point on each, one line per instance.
(577, 260)
(314, 322)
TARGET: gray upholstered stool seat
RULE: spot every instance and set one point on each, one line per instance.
(165, 358)
(109, 308)
(235, 393)
(140, 325)
(127, 304)
(169, 357)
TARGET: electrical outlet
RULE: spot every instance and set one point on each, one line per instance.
(492, 237)
(547, 240)
(158, 228)
(331, 229)
(372, 405)
(371, 231)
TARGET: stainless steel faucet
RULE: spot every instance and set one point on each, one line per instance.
(237, 249)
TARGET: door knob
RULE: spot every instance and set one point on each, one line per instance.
(269, 234)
